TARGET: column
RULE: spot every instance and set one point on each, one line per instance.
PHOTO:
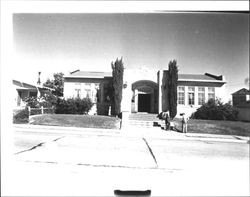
(152, 102)
(159, 76)
(195, 96)
(136, 100)
(101, 92)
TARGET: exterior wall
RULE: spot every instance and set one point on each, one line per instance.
(219, 91)
(189, 109)
(145, 81)
(96, 87)
(244, 113)
(133, 76)
(145, 87)
(239, 99)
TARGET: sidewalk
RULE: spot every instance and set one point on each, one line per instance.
(134, 132)
(162, 134)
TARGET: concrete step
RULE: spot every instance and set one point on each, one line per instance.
(148, 124)
(144, 120)
(143, 117)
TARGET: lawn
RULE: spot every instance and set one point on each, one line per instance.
(217, 127)
(194, 126)
(86, 121)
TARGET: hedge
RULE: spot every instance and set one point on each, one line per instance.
(21, 116)
(216, 110)
(73, 106)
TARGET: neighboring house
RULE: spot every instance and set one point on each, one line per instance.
(23, 90)
(240, 97)
(241, 100)
(142, 91)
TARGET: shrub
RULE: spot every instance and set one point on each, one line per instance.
(73, 106)
(216, 110)
(49, 111)
(21, 116)
(35, 111)
(48, 100)
(32, 102)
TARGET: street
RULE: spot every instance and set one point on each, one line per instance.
(97, 163)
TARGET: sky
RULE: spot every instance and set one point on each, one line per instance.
(217, 43)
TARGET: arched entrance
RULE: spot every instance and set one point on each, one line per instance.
(145, 97)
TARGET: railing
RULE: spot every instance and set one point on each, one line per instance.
(41, 110)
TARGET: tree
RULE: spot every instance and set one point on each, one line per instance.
(117, 73)
(172, 87)
(56, 84)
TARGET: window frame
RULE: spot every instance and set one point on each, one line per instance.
(181, 91)
(191, 92)
(201, 95)
(211, 91)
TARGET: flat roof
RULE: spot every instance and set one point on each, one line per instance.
(198, 77)
(89, 74)
(181, 77)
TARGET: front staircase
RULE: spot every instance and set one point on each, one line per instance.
(144, 120)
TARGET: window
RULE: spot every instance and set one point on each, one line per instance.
(88, 93)
(78, 90)
(78, 93)
(201, 95)
(181, 95)
(211, 93)
(191, 95)
(87, 85)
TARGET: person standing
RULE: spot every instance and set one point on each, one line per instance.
(165, 116)
(184, 122)
(167, 120)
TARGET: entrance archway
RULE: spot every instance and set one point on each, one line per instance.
(145, 97)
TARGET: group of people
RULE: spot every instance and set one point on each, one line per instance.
(169, 124)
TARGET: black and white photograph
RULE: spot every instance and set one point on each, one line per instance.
(125, 98)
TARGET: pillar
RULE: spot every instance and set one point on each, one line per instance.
(159, 79)
(136, 100)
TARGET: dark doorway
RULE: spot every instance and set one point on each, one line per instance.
(144, 102)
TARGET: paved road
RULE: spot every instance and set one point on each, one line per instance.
(96, 162)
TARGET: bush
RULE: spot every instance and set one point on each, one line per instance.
(32, 102)
(73, 106)
(48, 100)
(216, 110)
(35, 111)
(49, 111)
(21, 116)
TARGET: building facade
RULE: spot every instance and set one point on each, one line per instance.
(143, 90)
